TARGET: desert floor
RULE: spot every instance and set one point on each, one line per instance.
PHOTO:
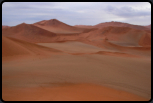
(78, 73)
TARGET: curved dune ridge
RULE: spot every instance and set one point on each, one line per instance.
(14, 47)
(125, 35)
(28, 32)
(57, 26)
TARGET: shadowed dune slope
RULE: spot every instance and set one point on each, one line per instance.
(57, 26)
(11, 47)
(28, 32)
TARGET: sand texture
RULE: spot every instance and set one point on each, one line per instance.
(52, 61)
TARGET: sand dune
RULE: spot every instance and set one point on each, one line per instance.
(84, 26)
(28, 32)
(5, 26)
(50, 60)
(120, 24)
(57, 26)
(145, 40)
(121, 35)
(13, 47)
(111, 47)
(72, 92)
(38, 76)
(149, 26)
(68, 47)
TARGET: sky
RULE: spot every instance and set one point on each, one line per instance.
(76, 13)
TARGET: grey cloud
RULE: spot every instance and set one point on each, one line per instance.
(127, 11)
(70, 13)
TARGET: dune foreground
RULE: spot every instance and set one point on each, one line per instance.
(52, 61)
(72, 92)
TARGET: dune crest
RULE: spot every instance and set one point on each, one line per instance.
(120, 24)
(28, 32)
(57, 26)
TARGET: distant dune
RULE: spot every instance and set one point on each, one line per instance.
(84, 26)
(5, 26)
(149, 26)
(120, 24)
(57, 26)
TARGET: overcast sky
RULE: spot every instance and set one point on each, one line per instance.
(76, 13)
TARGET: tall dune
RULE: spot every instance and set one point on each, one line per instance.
(57, 26)
(28, 32)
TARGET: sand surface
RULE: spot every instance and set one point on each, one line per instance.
(73, 47)
(71, 92)
(50, 60)
(128, 76)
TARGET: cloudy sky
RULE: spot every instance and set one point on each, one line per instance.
(76, 13)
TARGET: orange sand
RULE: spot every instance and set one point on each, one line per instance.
(69, 92)
(50, 60)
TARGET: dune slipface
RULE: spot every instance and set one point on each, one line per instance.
(52, 61)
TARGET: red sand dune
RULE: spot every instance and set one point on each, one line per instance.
(145, 40)
(28, 32)
(84, 26)
(5, 26)
(149, 26)
(13, 47)
(120, 24)
(57, 26)
(47, 76)
(125, 35)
